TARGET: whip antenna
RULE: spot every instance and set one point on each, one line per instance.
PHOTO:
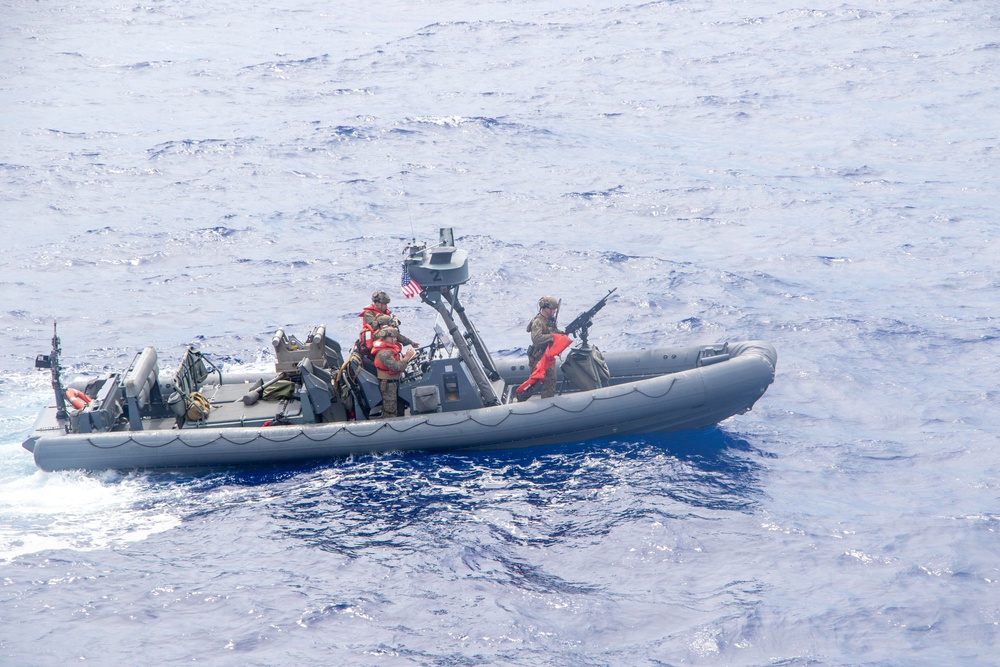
(406, 200)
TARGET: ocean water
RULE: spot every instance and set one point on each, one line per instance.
(823, 176)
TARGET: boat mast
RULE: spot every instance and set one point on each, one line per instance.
(440, 270)
(477, 341)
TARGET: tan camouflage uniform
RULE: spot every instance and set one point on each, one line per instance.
(541, 329)
(388, 383)
(391, 321)
(378, 320)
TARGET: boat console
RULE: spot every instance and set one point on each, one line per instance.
(441, 270)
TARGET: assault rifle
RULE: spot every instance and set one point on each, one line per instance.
(580, 325)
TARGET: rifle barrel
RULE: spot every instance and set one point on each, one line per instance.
(584, 319)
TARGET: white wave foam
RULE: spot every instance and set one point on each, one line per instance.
(72, 510)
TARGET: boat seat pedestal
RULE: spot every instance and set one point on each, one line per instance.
(289, 350)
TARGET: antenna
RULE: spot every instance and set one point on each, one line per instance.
(413, 234)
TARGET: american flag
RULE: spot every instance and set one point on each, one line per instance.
(410, 286)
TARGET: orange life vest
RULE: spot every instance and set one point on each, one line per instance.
(366, 337)
(370, 308)
(381, 344)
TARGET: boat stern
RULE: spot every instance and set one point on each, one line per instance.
(46, 424)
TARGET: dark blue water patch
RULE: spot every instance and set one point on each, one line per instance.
(398, 504)
(317, 218)
(492, 561)
(271, 264)
(863, 171)
(617, 257)
(737, 280)
(439, 27)
(102, 231)
(830, 260)
(485, 122)
(700, 218)
(598, 194)
(338, 92)
(195, 147)
(344, 132)
(887, 327)
(71, 135)
(724, 461)
(722, 471)
(284, 65)
(219, 231)
(691, 324)
(762, 278)
(146, 63)
(713, 100)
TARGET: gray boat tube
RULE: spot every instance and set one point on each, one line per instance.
(699, 396)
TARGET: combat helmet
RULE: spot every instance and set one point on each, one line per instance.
(380, 297)
(385, 332)
(384, 321)
(548, 302)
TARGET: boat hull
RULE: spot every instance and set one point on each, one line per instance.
(691, 398)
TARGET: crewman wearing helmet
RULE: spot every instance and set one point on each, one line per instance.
(390, 367)
(541, 328)
(374, 316)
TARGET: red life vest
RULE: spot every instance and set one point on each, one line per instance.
(370, 308)
(366, 337)
(559, 343)
(381, 344)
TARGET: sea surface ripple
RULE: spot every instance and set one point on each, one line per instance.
(822, 176)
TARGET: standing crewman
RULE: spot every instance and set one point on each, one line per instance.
(392, 321)
(390, 367)
(541, 328)
(375, 316)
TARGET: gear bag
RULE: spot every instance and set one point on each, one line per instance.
(279, 390)
(586, 369)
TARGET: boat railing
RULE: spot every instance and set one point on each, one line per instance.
(713, 354)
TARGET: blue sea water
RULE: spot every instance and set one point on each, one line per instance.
(823, 176)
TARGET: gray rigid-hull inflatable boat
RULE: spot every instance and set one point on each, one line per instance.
(320, 404)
